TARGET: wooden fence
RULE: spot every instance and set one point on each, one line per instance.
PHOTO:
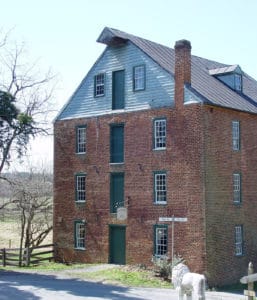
(12, 257)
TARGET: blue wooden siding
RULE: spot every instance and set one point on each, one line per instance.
(190, 97)
(159, 91)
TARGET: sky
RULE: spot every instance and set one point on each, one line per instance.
(62, 34)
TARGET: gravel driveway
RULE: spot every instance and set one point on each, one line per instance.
(35, 286)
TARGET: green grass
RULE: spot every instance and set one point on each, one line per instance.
(49, 266)
(120, 275)
(127, 277)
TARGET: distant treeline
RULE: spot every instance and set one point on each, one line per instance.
(6, 191)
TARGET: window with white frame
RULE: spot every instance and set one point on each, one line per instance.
(235, 135)
(139, 78)
(160, 188)
(81, 139)
(80, 234)
(161, 240)
(238, 240)
(237, 188)
(238, 82)
(80, 188)
(160, 134)
(99, 84)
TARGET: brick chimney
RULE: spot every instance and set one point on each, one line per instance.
(182, 70)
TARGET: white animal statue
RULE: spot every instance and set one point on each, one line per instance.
(187, 283)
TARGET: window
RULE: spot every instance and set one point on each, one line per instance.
(238, 82)
(79, 234)
(80, 187)
(235, 135)
(118, 89)
(160, 191)
(99, 85)
(139, 78)
(160, 134)
(238, 240)
(117, 191)
(81, 139)
(237, 188)
(117, 143)
(160, 240)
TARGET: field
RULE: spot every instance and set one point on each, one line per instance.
(9, 233)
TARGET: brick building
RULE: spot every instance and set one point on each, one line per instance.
(154, 132)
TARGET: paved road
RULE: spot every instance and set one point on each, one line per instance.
(27, 286)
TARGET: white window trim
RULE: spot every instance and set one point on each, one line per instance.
(235, 135)
(156, 241)
(77, 190)
(157, 121)
(155, 188)
(99, 84)
(77, 235)
(237, 188)
(139, 77)
(238, 240)
(81, 132)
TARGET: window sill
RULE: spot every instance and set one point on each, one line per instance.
(160, 203)
(80, 153)
(116, 164)
(159, 149)
(80, 249)
(80, 202)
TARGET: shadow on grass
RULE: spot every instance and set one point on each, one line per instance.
(17, 285)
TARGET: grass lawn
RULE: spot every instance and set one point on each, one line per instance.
(120, 275)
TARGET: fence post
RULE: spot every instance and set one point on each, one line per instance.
(250, 284)
(27, 256)
(4, 257)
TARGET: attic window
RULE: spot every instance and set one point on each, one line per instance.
(99, 85)
(238, 82)
(230, 75)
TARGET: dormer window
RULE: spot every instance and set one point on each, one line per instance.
(238, 82)
(231, 76)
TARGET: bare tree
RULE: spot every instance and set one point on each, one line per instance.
(33, 198)
(25, 101)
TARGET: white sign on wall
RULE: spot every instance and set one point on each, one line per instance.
(122, 213)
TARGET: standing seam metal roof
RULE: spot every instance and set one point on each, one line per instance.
(209, 87)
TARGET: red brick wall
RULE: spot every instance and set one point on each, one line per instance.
(222, 215)
(199, 162)
(182, 160)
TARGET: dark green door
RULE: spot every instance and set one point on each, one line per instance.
(117, 191)
(117, 236)
(117, 143)
(118, 83)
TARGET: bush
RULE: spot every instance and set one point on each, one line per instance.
(162, 266)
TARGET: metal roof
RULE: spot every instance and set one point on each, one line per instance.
(202, 81)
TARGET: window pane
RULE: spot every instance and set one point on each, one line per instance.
(237, 188)
(139, 78)
(80, 235)
(99, 85)
(235, 135)
(160, 188)
(161, 241)
(238, 240)
(81, 188)
(160, 134)
(81, 139)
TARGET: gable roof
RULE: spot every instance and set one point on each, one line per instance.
(212, 90)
